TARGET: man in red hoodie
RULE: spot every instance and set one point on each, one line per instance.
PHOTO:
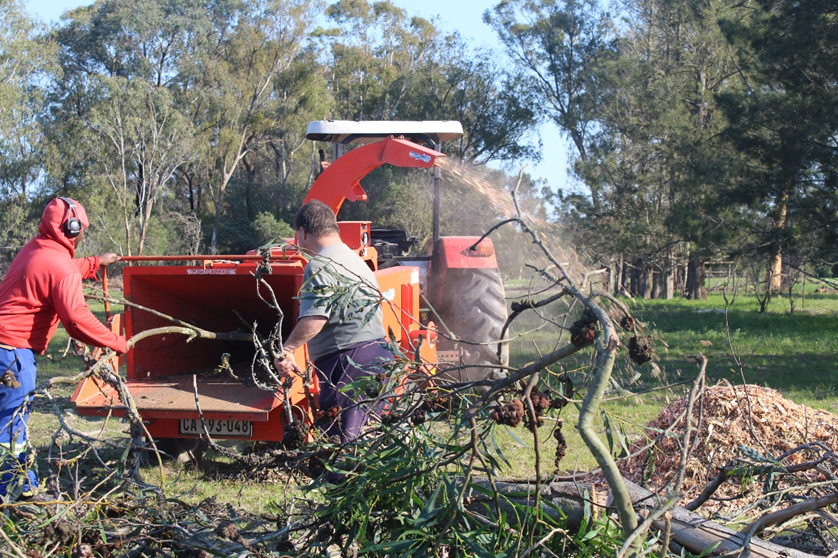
(42, 287)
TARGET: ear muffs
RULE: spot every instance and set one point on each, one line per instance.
(72, 227)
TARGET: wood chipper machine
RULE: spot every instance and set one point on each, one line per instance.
(185, 388)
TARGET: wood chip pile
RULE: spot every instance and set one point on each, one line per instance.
(721, 428)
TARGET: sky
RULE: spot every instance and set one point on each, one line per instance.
(465, 16)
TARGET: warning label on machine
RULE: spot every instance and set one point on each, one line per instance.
(210, 271)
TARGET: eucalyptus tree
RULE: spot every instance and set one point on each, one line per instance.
(375, 52)
(275, 175)
(387, 65)
(232, 98)
(557, 44)
(136, 139)
(495, 104)
(24, 62)
(288, 165)
(116, 98)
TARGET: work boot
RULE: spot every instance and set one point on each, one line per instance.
(36, 501)
(40, 496)
(19, 486)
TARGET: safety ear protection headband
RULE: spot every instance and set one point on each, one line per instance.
(73, 227)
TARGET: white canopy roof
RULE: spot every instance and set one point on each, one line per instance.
(368, 131)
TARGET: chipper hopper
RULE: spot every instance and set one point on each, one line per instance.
(185, 388)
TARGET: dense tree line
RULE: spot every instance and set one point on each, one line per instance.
(701, 131)
(182, 123)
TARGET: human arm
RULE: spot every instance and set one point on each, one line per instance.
(90, 265)
(78, 320)
(305, 330)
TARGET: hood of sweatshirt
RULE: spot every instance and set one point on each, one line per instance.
(53, 221)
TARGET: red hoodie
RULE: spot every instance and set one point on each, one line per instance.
(43, 286)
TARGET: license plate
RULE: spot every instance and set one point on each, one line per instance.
(217, 427)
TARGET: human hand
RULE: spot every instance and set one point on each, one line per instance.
(286, 364)
(108, 258)
(121, 345)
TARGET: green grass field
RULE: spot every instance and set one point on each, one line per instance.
(796, 354)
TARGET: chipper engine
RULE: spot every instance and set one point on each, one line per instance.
(186, 388)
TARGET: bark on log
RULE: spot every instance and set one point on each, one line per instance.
(569, 497)
(696, 533)
(689, 530)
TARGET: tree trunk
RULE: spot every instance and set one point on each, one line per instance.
(689, 529)
(127, 224)
(624, 277)
(216, 224)
(636, 279)
(188, 178)
(646, 280)
(618, 274)
(144, 226)
(696, 289)
(657, 283)
(680, 278)
(774, 270)
(219, 202)
(668, 283)
(199, 194)
(668, 278)
(566, 499)
(250, 171)
(697, 534)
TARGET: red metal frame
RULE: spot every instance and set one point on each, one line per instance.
(160, 369)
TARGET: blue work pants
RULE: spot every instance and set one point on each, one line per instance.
(16, 474)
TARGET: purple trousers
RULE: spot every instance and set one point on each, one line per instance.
(338, 370)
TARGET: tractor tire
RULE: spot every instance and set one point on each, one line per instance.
(183, 450)
(473, 308)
